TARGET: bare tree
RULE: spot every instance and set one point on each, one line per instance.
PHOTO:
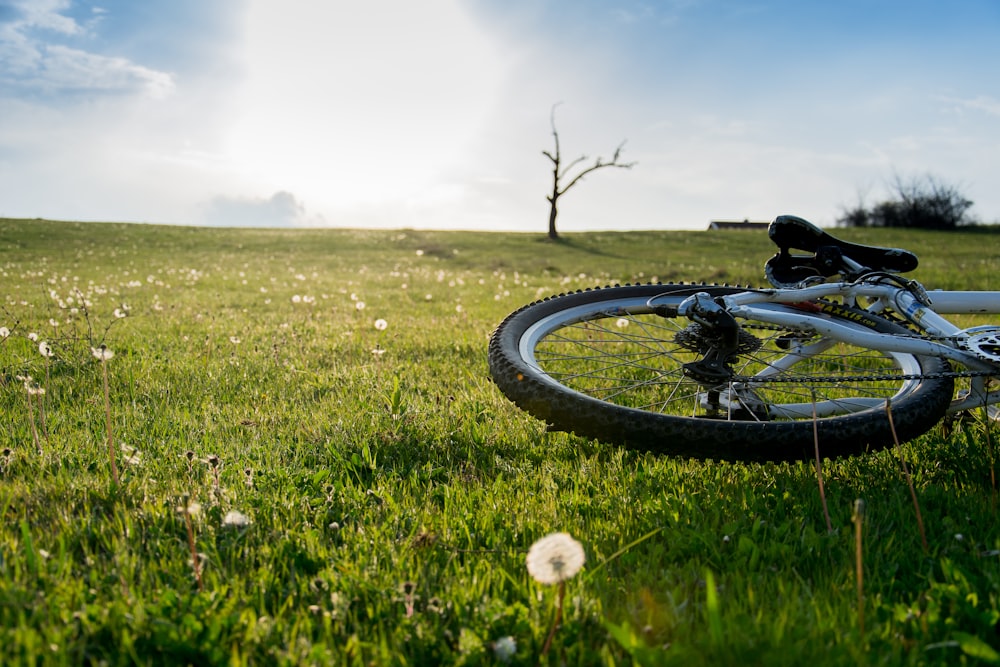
(561, 173)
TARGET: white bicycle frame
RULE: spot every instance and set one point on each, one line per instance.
(944, 338)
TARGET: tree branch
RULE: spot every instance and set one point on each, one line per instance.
(598, 164)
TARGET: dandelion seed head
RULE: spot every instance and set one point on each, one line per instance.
(235, 340)
(33, 388)
(360, 305)
(130, 455)
(381, 324)
(4, 332)
(33, 337)
(555, 558)
(504, 648)
(621, 323)
(235, 519)
(45, 350)
(191, 508)
(103, 352)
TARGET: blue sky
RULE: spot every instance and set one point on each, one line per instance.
(433, 114)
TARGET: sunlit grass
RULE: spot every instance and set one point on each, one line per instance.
(306, 481)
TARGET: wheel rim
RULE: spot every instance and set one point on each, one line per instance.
(622, 353)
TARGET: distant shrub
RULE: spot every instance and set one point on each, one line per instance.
(920, 203)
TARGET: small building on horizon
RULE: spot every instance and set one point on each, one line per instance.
(737, 224)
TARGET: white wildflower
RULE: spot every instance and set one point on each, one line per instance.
(555, 558)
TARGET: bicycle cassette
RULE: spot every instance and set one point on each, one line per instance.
(984, 342)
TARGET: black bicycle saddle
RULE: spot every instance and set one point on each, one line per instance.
(790, 232)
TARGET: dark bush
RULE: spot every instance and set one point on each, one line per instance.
(922, 204)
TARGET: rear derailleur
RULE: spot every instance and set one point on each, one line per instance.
(718, 338)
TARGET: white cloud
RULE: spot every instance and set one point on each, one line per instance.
(985, 103)
(282, 209)
(66, 69)
(32, 59)
(44, 15)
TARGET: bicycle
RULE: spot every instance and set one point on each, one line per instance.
(842, 353)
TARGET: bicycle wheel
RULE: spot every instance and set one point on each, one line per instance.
(604, 364)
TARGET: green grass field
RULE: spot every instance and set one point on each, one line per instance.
(392, 493)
